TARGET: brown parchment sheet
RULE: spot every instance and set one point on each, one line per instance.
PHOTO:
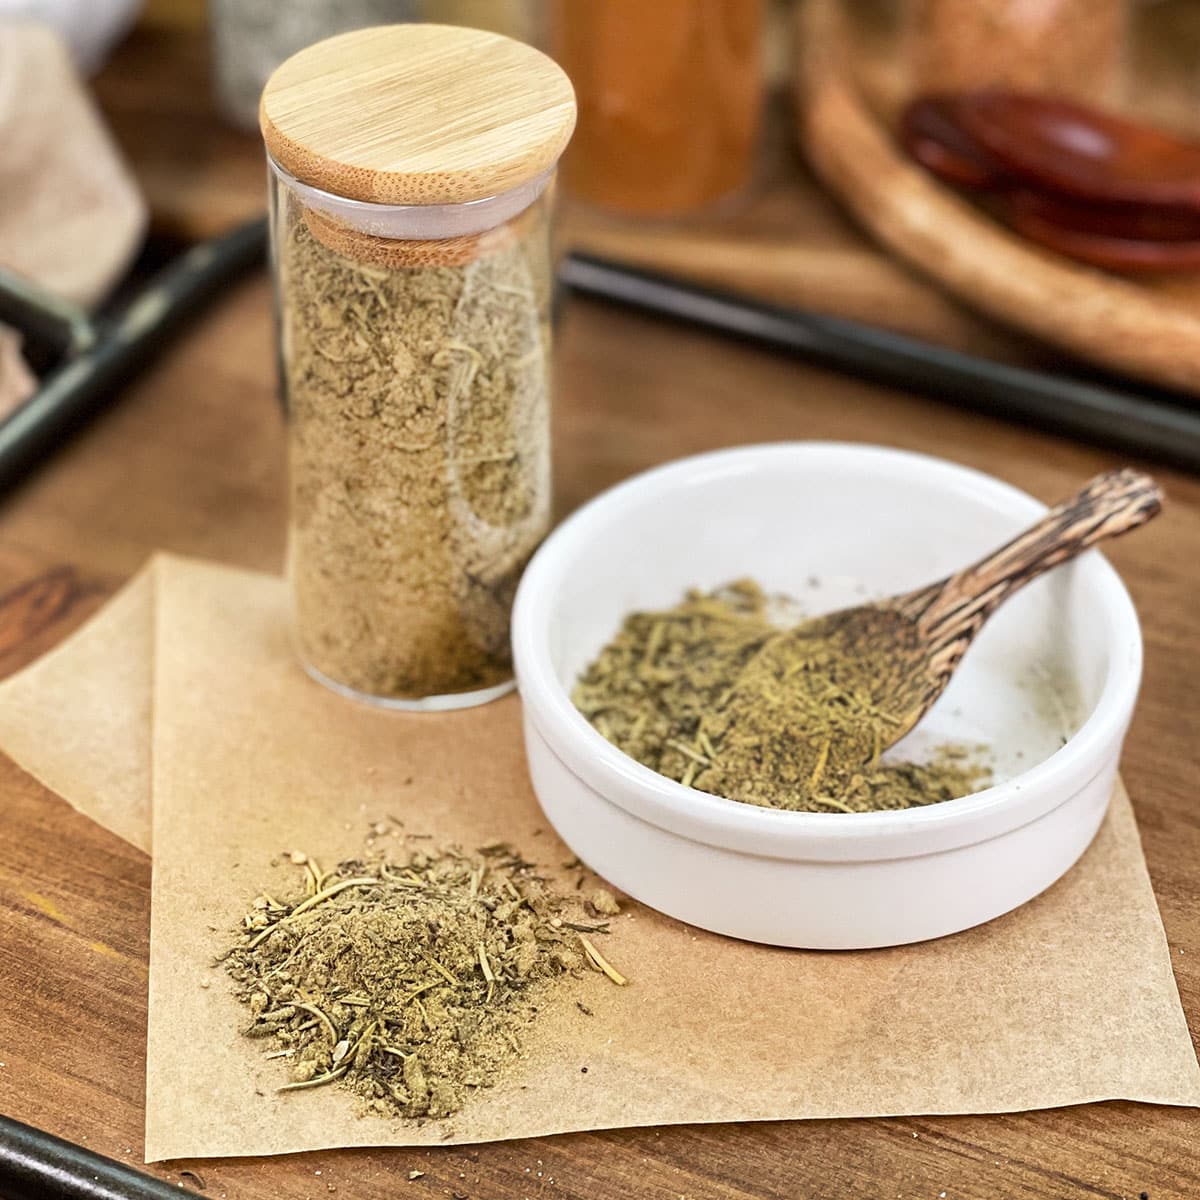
(79, 721)
(1069, 999)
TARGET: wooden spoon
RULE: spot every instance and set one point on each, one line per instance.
(931, 131)
(1126, 238)
(1082, 151)
(1117, 237)
(842, 688)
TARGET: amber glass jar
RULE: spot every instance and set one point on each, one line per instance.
(670, 100)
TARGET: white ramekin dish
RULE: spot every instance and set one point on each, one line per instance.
(831, 524)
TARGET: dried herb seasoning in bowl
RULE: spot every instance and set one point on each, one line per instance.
(1049, 687)
(670, 689)
(801, 719)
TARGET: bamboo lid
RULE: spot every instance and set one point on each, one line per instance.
(417, 114)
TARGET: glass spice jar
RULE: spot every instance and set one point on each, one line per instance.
(411, 170)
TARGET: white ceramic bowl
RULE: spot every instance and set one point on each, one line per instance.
(832, 524)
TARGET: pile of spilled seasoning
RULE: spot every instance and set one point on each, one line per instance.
(414, 984)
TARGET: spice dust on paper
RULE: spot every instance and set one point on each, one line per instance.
(415, 983)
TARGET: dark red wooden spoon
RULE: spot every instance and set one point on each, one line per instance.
(930, 130)
(1125, 238)
(1136, 222)
(1081, 151)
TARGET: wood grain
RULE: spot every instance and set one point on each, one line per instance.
(950, 614)
(190, 460)
(417, 114)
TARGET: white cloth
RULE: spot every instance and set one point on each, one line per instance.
(90, 28)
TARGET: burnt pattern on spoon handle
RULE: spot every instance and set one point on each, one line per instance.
(949, 614)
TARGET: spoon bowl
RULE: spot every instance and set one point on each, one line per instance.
(861, 678)
(1082, 151)
(1079, 218)
(931, 131)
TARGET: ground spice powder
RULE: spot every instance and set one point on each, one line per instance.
(708, 694)
(418, 391)
(413, 983)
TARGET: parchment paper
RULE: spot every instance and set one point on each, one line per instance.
(79, 718)
(1069, 999)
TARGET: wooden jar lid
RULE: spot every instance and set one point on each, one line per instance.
(417, 114)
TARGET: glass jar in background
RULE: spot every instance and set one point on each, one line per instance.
(411, 174)
(670, 99)
(1073, 48)
(250, 38)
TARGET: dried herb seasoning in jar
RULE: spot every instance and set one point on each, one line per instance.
(411, 168)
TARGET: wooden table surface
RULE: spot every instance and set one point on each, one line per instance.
(190, 460)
